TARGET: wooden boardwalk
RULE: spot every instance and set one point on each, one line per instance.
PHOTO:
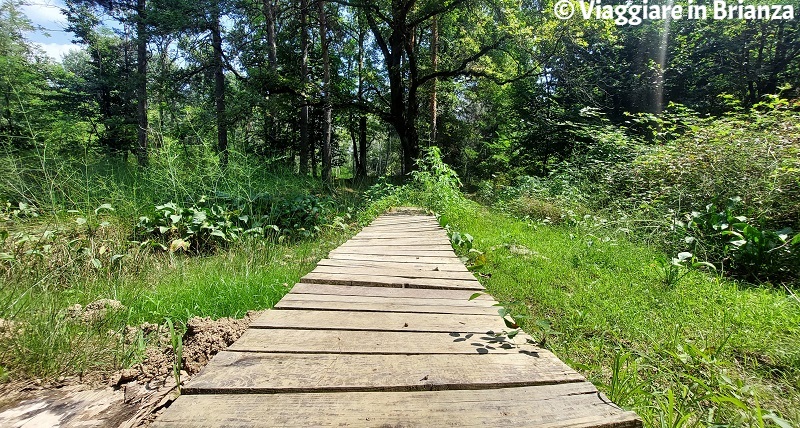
(382, 333)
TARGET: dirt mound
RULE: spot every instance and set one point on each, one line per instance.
(204, 337)
(94, 311)
(8, 329)
(132, 398)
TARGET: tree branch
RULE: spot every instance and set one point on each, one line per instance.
(436, 11)
(367, 6)
(461, 70)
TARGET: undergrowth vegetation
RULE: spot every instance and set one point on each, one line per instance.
(721, 191)
(680, 345)
(170, 242)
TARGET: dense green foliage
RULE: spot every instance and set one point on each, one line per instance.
(726, 190)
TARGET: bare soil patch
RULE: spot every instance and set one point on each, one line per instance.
(130, 398)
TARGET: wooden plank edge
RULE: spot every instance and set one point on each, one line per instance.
(189, 390)
(363, 283)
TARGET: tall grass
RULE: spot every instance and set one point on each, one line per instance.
(56, 182)
(703, 351)
(72, 242)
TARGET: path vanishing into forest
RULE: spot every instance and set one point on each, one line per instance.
(382, 333)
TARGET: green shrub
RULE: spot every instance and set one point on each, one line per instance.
(381, 189)
(206, 226)
(436, 184)
(201, 228)
(755, 157)
(733, 242)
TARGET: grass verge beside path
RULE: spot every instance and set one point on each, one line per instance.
(700, 351)
(248, 276)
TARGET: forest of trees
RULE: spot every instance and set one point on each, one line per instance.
(498, 85)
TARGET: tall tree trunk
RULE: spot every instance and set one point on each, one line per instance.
(326, 97)
(268, 8)
(313, 126)
(361, 169)
(141, 82)
(270, 140)
(305, 147)
(219, 89)
(435, 66)
(362, 146)
(354, 140)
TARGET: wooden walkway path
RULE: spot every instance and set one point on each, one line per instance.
(382, 333)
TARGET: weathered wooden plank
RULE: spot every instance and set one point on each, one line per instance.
(421, 228)
(390, 281)
(423, 245)
(419, 225)
(408, 240)
(417, 293)
(397, 259)
(404, 223)
(399, 234)
(321, 305)
(409, 229)
(412, 301)
(450, 267)
(368, 321)
(379, 342)
(258, 373)
(393, 251)
(575, 405)
(426, 245)
(405, 273)
(416, 218)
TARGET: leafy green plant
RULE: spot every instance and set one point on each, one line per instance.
(199, 229)
(545, 331)
(381, 189)
(300, 216)
(461, 240)
(20, 211)
(436, 182)
(176, 341)
(749, 251)
(673, 270)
